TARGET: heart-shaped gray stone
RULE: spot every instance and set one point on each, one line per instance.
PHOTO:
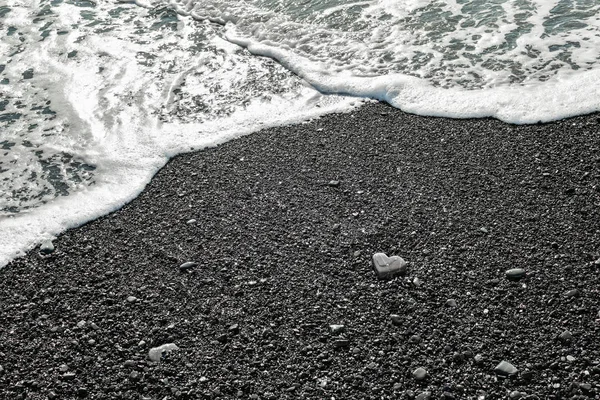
(388, 267)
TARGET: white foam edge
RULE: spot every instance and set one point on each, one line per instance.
(20, 233)
(541, 102)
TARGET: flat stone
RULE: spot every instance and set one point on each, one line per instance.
(515, 274)
(420, 374)
(389, 267)
(47, 247)
(335, 329)
(235, 329)
(334, 183)
(565, 337)
(396, 319)
(572, 293)
(414, 339)
(157, 353)
(424, 396)
(131, 299)
(451, 303)
(506, 369)
(187, 266)
(339, 343)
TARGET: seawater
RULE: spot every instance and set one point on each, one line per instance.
(95, 97)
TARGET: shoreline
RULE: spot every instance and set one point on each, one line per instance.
(286, 221)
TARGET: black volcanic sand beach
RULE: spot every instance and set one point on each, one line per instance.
(283, 252)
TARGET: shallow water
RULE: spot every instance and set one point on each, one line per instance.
(95, 97)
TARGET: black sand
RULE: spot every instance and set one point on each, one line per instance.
(283, 254)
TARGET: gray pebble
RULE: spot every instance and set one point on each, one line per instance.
(515, 274)
(388, 267)
(187, 266)
(506, 369)
(420, 374)
(47, 247)
(451, 303)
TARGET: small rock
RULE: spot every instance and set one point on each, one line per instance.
(1, 369)
(134, 376)
(597, 262)
(334, 183)
(82, 392)
(571, 358)
(191, 221)
(234, 329)
(52, 395)
(566, 337)
(414, 339)
(396, 319)
(515, 394)
(424, 396)
(397, 386)
(586, 387)
(505, 369)
(69, 376)
(417, 282)
(187, 266)
(478, 359)
(420, 374)
(450, 303)
(64, 368)
(515, 274)
(47, 247)
(335, 329)
(131, 299)
(155, 354)
(339, 343)
(572, 293)
(484, 230)
(129, 364)
(388, 267)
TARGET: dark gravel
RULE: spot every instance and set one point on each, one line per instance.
(287, 221)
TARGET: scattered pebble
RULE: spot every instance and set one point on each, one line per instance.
(505, 369)
(424, 396)
(515, 394)
(420, 374)
(334, 183)
(47, 247)
(515, 274)
(572, 293)
(566, 337)
(339, 343)
(478, 359)
(131, 299)
(451, 303)
(388, 267)
(155, 354)
(187, 266)
(414, 339)
(396, 319)
(335, 329)
(191, 221)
